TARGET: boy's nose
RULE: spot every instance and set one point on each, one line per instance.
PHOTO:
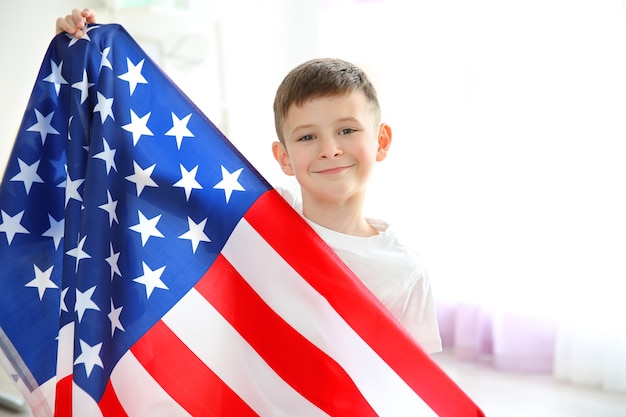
(329, 148)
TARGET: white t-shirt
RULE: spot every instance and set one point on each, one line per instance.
(390, 271)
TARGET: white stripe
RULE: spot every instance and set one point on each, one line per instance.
(138, 392)
(47, 391)
(227, 354)
(65, 353)
(310, 314)
(41, 400)
(83, 404)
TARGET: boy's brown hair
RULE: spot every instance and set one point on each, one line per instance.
(321, 78)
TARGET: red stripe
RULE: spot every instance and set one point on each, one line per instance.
(308, 370)
(174, 366)
(63, 398)
(348, 296)
(109, 403)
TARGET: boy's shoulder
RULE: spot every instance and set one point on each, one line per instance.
(289, 195)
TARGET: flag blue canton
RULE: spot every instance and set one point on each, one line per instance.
(117, 197)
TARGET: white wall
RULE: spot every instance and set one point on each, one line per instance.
(508, 168)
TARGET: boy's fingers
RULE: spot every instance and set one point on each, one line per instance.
(77, 18)
(74, 22)
(89, 15)
(65, 24)
(60, 25)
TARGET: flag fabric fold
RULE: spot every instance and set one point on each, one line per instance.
(147, 268)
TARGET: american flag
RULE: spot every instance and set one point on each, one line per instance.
(147, 269)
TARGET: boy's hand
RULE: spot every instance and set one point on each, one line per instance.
(74, 22)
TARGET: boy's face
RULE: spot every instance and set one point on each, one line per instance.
(331, 146)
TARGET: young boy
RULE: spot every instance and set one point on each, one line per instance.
(328, 121)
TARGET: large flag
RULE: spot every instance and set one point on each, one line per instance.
(147, 269)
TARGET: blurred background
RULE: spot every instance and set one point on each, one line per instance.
(508, 169)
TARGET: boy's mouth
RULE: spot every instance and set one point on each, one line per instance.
(334, 170)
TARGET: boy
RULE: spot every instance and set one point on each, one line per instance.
(328, 122)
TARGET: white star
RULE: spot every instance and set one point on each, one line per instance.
(56, 230)
(133, 76)
(84, 302)
(141, 177)
(105, 107)
(146, 227)
(28, 174)
(83, 86)
(78, 252)
(110, 208)
(179, 129)
(43, 126)
(104, 62)
(89, 356)
(11, 225)
(42, 280)
(195, 234)
(85, 36)
(112, 261)
(229, 182)
(71, 189)
(188, 180)
(55, 76)
(151, 279)
(63, 305)
(138, 126)
(114, 316)
(108, 156)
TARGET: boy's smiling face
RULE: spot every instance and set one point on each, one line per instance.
(331, 145)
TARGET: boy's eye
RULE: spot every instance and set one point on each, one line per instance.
(306, 138)
(346, 131)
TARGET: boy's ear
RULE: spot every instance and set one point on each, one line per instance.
(384, 141)
(281, 156)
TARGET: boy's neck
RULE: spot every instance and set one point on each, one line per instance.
(344, 217)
